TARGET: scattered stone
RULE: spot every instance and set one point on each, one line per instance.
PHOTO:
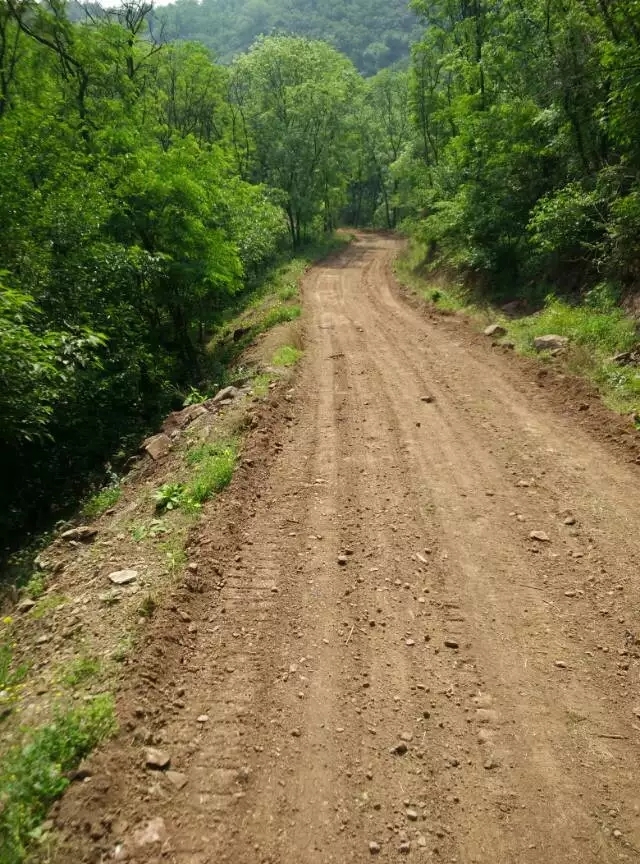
(406, 736)
(83, 533)
(412, 815)
(203, 718)
(26, 604)
(550, 342)
(157, 760)
(374, 848)
(427, 399)
(561, 664)
(177, 779)
(405, 847)
(540, 536)
(410, 643)
(421, 558)
(400, 749)
(495, 330)
(296, 733)
(153, 832)
(157, 446)
(123, 577)
(451, 643)
(617, 833)
(490, 764)
(570, 520)
(343, 560)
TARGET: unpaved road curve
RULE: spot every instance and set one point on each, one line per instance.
(522, 744)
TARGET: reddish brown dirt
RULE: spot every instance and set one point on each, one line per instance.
(522, 743)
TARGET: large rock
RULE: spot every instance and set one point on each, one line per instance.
(157, 446)
(123, 577)
(495, 330)
(182, 419)
(153, 832)
(83, 533)
(551, 342)
(226, 393)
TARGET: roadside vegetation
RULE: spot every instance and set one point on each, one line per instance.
(151, 526)
(597, 329)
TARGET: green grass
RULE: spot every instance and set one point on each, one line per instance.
(215, 466)
(287, 355)
(81, 670)
(279, 315)
(260, 385)
(36, 586)
(47, 604)
(101, 502)
(444, 295)
(34, 773)
(595, 336)
(11, 676)
(288, 291)
(604, 333)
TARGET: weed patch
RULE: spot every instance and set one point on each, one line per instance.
(46, 605)
(287, 355)
(279, 315)
(34, 773)
(216, 464)
(11, 676)
(101, 502)
(79, 671)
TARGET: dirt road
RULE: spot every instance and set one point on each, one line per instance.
(387, 662)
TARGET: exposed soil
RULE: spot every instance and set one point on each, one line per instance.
(376, 656)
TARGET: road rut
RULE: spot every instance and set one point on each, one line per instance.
(426, 635)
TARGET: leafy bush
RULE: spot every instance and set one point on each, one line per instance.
(169, 496)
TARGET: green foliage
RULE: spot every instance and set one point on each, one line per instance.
(101, 501)
(129, 227)
(169, 496)
(81, 670)
(373, 33)
(287, 355)
(216, 465)
(11, 675)
(36, 586)
(279, 315)
(34, 774)
(524, 164)
(290, 99)
(603, 333)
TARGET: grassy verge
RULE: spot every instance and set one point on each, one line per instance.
(36, 772)
(596, 333)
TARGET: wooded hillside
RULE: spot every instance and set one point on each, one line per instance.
(374, 34)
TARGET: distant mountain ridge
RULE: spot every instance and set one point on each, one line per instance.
(375, 34)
